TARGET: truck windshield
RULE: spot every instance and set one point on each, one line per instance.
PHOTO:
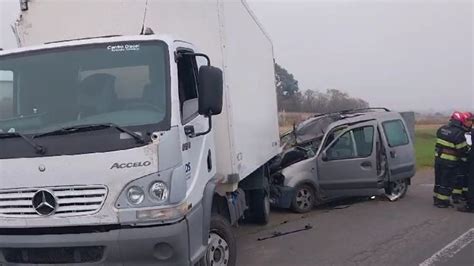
(125, 84)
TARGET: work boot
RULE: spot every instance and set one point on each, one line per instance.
(456, 198)
(443, 204)
(435, 201)
(466, 208)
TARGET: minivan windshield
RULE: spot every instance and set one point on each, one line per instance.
(124, 84)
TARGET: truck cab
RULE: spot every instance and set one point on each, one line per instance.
(107, 151)
(134, 148)
(352, 153)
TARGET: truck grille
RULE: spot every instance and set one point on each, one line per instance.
(71, 201)
(53, 255)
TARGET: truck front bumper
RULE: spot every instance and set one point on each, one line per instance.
(118, 245)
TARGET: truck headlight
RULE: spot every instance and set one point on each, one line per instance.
(148, 191)
(151, 198)
(159, 191)
(135, 195)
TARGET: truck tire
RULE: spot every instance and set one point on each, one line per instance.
(260, 207)
(222, 247)
(304, 199)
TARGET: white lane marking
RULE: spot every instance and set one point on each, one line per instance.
(451, 249)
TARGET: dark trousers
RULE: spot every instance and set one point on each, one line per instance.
(445, 176)
(460, 182)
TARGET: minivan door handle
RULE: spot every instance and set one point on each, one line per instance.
(366, 164)
(393, 154)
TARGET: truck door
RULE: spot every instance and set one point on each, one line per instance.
(400, 150)
(197, 155)
(347, 165)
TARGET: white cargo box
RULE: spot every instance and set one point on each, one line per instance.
(247, 130)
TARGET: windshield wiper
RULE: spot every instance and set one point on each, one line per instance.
(38, 148)
(91, 127)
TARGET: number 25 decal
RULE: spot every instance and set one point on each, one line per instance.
(187, 167)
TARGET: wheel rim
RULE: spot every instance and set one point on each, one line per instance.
(304, 198)
(217, 250)
(396, 189)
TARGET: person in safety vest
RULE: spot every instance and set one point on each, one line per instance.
(469, 207)
(460, 184)
(451, 147)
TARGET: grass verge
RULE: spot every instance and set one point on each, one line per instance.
(425, 139)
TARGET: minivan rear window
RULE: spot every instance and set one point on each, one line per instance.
(395, 133)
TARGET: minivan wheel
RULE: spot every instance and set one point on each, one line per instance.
(396, 190)
(221, 249)
(304, 199)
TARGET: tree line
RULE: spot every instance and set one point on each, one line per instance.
(292, 99)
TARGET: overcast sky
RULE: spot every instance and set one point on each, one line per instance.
(8, 13)
(400, 54)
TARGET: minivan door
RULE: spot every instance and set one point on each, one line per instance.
(400, 150)
(347, 165)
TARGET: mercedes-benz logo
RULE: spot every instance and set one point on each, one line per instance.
(44, 202)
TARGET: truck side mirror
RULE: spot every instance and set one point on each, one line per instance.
(210, 86)
(210, 90)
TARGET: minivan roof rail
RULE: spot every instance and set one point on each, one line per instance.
(81, 39)
(366, 109)
(352, 111)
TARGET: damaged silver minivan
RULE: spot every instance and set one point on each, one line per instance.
(351, 153)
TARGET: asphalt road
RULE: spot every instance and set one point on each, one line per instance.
(410, 231)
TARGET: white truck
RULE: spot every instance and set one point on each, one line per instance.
(120, 145)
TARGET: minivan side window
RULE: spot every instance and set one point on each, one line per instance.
(395, 133)
(364, 139)
(344, 148)
(333, 135)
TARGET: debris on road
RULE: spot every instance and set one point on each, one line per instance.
(278, 233)
(338, 207)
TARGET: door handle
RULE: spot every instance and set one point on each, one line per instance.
(366, 164)
(393, 154)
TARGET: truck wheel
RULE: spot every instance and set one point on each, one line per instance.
(304, 199)
(222, 247)
(260, 207)
(396, 190)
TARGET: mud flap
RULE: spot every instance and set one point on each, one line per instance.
(237, 205)
(281, 196)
